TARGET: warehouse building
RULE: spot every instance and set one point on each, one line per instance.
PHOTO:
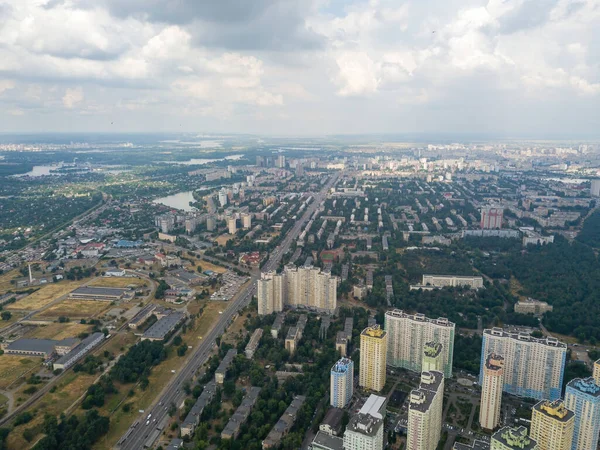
(164, 327)
(103, 294)
(90, 342)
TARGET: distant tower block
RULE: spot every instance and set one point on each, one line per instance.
(595, 188)
(491, 391)
(432, 357)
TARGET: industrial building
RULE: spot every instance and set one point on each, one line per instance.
(104, 294)
(86, 345)
(164, 327)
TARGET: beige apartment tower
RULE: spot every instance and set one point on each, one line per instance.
(270, 293)
(491, 392)
(552, 425)
(373, 352)
(596, 374)
(425, 412)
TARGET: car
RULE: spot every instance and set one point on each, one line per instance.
(147, 422)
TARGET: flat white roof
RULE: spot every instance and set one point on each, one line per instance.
(372, 406)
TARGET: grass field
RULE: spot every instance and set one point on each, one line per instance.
(59, 331)
(118, 282)
(16, 315)
(3, 400)
(224, 238)
(209, 266)
(70, 388)
(14, 366)
(45, 295)
(75, 309)
(5, 280)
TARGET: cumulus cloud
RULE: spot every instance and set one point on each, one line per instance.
(72, 97)
(250, 66)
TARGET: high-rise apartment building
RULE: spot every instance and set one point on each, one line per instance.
(596, 373)
(408, 334)
(270, 293)
(365, 429)
(223, 197)
(491, 218)
(595, 188)
(246, 220)
(232, 225)
(582, 396)
(552, 425)
(305, 287)
(432, 357)
(532, 367)
(425, 412)
(491, 391)
(341, 379)
(509, 438)
(281, 161)
(373, 352)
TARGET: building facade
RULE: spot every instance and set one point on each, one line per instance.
(297, 287)
(532, 367)
(342, 383)
(373, 355)
(491, 392)
(582, 396)
(491, 218)
(425, 412)
(408, 334)
(552, 425)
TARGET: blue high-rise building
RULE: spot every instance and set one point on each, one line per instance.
(342, 383)
(583, 398)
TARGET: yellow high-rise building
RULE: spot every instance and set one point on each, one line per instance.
(491, 391)
(597, 372)
(552, 425)
(373, 351)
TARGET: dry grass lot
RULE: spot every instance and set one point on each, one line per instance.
(13, 366)
(16, 315)
(80, 309)
(70, 388)
(59, 331)
(45, 295)
(5, 280)
(209, 266)
(224, 238)
(118, 282)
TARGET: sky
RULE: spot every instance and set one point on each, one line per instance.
(301, 67)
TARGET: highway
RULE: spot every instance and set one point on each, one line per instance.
(139, 433)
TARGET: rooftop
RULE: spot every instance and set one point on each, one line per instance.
(374, 331)
(333, 418)
(342, 365)
(585, 385)
(101, 291)
(374, 406)
(555, 410)
(422, 398)
(399, 314)
(432, 349)
(226, 361)
(164, 326)
(88, 340)
(549, 341)
(33, 345)
(325, 441)
(494, 362)
(365, 424)
(514, 438)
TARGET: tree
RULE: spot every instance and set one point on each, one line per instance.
(6, 315)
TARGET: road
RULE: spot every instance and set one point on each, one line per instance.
(136, 436)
